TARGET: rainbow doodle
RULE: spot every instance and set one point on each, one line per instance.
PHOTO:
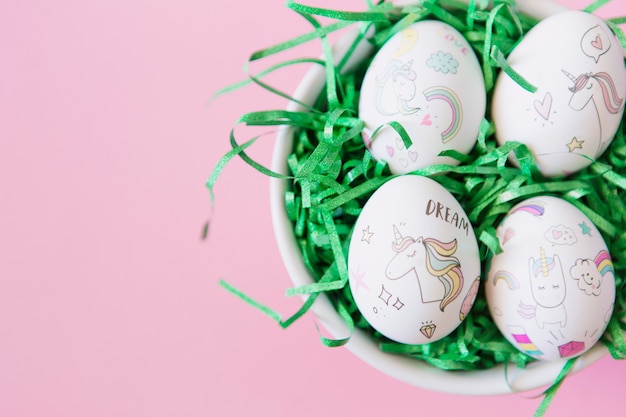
(604, 263)
(508, 278)
(447, 95)
(523, 341)
(535, 209)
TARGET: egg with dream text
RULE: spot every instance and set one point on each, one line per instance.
(413, 261)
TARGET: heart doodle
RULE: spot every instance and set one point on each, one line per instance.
(426, 120)
(390, 150)
(404, 162)
(544, 106)
(597, 42)
(413, 156)
(556, 234)
(399, 143)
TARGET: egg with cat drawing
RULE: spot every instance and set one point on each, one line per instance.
(427, 79)
(413, 261)
(576, 64)
(551, 289)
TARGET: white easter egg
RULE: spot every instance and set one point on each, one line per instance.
(577, 65)
(551, 290)
(413, 261)
(428, 79)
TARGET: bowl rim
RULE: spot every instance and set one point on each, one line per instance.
(498, 380)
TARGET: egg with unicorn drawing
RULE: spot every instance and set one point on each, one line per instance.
(428, 79)
(413, 261)
(551, 290)
(576, 64)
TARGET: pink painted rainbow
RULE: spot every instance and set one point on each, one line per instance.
(447, 95)
(523, 340)
(536, 209)
(604, 263)
(508, 278)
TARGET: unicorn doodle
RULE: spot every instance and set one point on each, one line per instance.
(402, 79)
(548, 289)
(396, 95)
(598, 88)
(428, 258)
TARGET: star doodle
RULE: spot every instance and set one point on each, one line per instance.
(575, 144)
(367, 235)
(398, 304)
(384, 295)
(358, 279)
(586, 230)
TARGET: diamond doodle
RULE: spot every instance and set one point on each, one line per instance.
(428, 330)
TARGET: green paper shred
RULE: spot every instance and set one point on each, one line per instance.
(332, 174)
(595, 5)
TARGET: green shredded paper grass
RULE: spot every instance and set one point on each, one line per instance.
(332, 175)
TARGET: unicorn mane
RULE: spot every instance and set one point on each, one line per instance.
(394, 69)
(612, 100)
(401, 245)
(441, 264)
(579, 82)
(538, 265)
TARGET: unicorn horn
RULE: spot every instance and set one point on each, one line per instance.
(544, 263)
(397, 235)
(568, 75)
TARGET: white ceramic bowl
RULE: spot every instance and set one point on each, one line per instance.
(492, 381)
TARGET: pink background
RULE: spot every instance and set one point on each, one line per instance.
(109, 300)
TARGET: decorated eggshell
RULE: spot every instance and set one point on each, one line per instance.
(413, 261)
(428, 79)
(577, 65)
(552, 288)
